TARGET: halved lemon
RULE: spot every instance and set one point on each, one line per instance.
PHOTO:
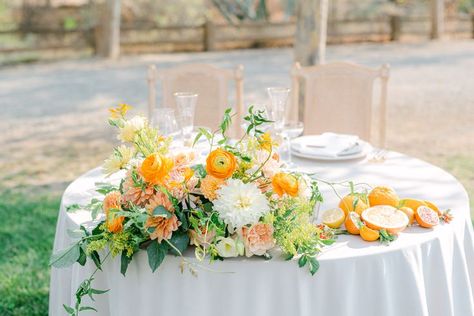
(334, 217)
(385, 217)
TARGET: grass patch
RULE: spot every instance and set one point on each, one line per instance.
(27, 230)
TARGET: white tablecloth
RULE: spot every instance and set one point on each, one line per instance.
(424, 272)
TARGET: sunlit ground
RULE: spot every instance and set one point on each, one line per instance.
(53, 128)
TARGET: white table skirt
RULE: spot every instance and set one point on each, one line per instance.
(424, 272)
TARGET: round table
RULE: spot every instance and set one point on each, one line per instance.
(424, 272)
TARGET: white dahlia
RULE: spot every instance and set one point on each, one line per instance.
(239, 203)
(130, 128)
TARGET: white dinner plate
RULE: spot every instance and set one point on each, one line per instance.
(365, 149)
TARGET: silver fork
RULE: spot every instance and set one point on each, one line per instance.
(378, 155)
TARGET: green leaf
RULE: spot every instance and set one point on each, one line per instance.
(82, 257)
(328, 242)
(65, 257)
(96, 291)
(200, 170)
(105, 187)
(87, 308)
(124, 262)
(73, 207)
(156, 254)
(160, 210)
(302, 261)
(313, 265)
(76, 233)
(180, 241)
(96, 258)
(69, 309)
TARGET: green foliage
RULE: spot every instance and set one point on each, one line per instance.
(255, 121)
(70, 23)
(27, 232)
(156, 254)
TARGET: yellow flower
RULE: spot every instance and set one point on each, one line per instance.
(266, 142)
(209, 186)
(285, 183)
(155, 168)
(188, 173)
(119, 111)
(118, 160)
(220, 164)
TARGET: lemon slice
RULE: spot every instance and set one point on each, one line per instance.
(334, 217)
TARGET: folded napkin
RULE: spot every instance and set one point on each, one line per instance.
(328, 145)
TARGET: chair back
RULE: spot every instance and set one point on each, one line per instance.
(212, 86)
(338, 97)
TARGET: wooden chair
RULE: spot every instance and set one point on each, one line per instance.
(209, 82)
(339, 98)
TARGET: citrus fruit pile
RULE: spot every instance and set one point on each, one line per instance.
(382, 215)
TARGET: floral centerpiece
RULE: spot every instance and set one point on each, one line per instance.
(238, 202)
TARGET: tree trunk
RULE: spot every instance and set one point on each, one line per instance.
(437, 19)
(310, 45)
(108, 33)
(311, 28)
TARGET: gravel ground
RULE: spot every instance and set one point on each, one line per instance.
(53, 115)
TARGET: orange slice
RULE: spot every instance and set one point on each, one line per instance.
(368, 234)
(385, 217)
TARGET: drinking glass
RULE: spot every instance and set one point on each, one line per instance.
(276, 110)
(165, 120)
(291, 130)
(186, 104)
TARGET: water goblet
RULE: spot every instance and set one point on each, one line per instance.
(186, 105)
(291, 130)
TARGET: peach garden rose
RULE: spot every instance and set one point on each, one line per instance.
(258, 239)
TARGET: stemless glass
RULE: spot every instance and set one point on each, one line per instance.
(165, 120)
(276, 110)
(291, 130)
(186, 104)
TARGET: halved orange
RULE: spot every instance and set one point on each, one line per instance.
(385, 217)
(433, 207)
(353, 223)
(369, 234)
(426, 217)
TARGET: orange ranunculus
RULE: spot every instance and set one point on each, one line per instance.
(112, 204)
(220, 164)
(155, 168)
(285, 183)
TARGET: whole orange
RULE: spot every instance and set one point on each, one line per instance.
(383, 195)
(353, 203)
(409, 213)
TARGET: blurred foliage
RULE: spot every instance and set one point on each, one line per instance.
(466, 6)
